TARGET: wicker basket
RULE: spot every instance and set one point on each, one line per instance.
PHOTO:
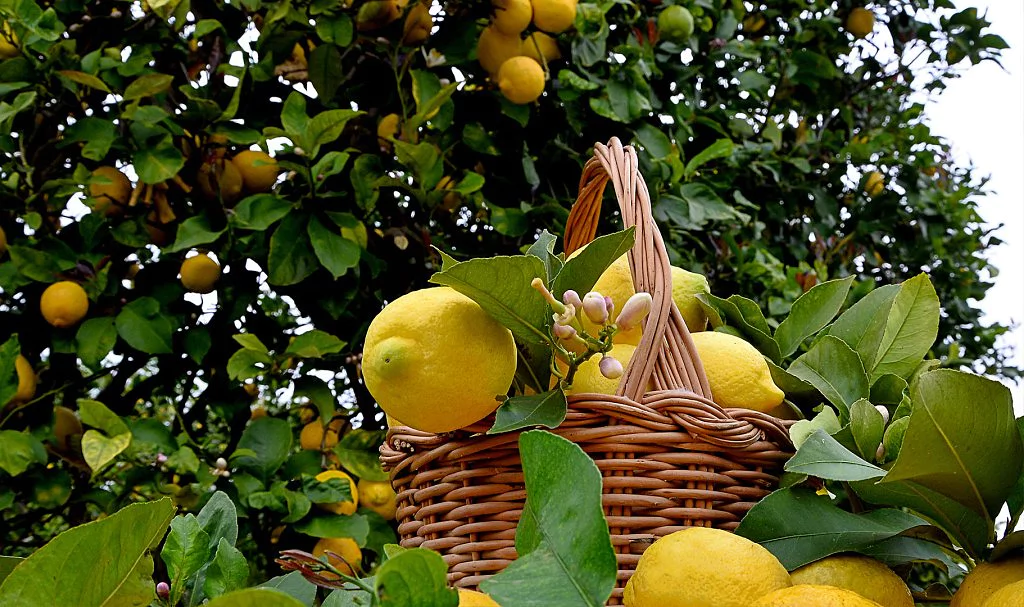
(669, 458)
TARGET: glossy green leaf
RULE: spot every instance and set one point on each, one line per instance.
(98, 415)
(314, 344)
(147, 86)
(219, 519)
(581, 272)
(96, 133)
(867, 426)
(142, 325)
(19, 450)
(193, 232)
(415, 578)
(261, 211)
(185, 551)
(811, 312)
(359, 452)
(719, 149)
(325, 71)
(825, 420)
(544, 409)
(323, 524)
(246, 364)
(95, 339)
(155, 164)
(293, 585)
(7, 565)
(836, 371)
(863, 325)
(720, 311)
(267, 442)
(822, 456)
(336, 253)
(291, 258)
(228, 571)
(257, 597)
(9, 351)
(910, 329)
(325, 127)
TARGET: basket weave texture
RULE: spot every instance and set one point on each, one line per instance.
(669, 457)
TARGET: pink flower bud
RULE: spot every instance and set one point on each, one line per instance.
(163, 590)
(161, 458)
(885, 413)
(594, 307)
(634, 310)
(610, 367)
(609, 304)
(563, 331)
(573, 298)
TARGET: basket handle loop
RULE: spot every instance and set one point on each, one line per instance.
(666, 356)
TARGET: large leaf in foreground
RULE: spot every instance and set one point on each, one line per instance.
(822, 456)
(255, 597)
(962, 440)
(565, 551)
(105, 562)
(415, 578)
(800, 527)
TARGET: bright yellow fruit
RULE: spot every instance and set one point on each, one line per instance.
(703, 567)
(857, 573)
(521, 80)
(472, 598)
(1011, 595)
(548, 47)
(26, 380)
(199, 274)
(437, 361)
(110, 198)
(588, 377)
(417, 26)
(8, 42)
(511, 17)
(495, 48)
(220, 180)
(64, 304)
(312, 435)
(344, 547)
(346, 507)
(737, 372)
(685, 286)
(554, 16)
(860, 22)
(387, 129)
(874, 184)
(379, 497)
(66, 425)
(258, 169)
(984, 580)
(806, 595)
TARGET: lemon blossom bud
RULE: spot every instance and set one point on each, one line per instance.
(572, 297)
(885, 413)
(563, 331)
(634, 310)
(163, 590)
(221, 463)
(610, 367)
(161, 458)
(609, 304)
(566, 316)
(595, 308)
(880, 453)
(556, 305)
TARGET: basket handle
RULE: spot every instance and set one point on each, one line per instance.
(666, 354)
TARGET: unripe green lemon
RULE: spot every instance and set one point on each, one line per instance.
(675, 23)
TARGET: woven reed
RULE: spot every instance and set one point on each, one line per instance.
(669, 457)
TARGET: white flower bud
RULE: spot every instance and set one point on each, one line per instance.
(563, 331)
(221, 463)
(885, 413)
(594, 307)
(572, 297)
(634, 310)
(610, 367)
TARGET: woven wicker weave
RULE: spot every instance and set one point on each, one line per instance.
(669, 458)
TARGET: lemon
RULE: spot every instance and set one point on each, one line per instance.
(379, 497)
(421, 350)
(351, 557)
(110, 197)
(1011, 595)
(675, 23)
(417, 26)
(753, 23)
(258, 169)
(387, 129)
(860, 22)
(346, 507)
(521, 80)
(861, 574)
(376, 14)
(984, 580)
(26, 380)
(588, 376)
(312, 435)
(64, 304)
(495, 48)
(199, 274)
(737, 373)
(220, 180)
(511, 17)
(685, 287)
(874, 184)
(65, 426)
(805, 595)
(554, 16)
(472, 598)
(703, 567)
(538, 44)
(8, 42)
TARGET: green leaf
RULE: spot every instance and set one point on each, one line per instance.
(811, 311)
(97, 135)
(144, 328)
(867, 426)
(654, 141)
(328, 491)
(544, 409)
(7, 565)
(381, 532)
(565, 552)
(335, 252)
(359, 452)
(822, 456)
(970, 454)
(94, 340)
(1015, 501)
(185, 551)
(270, 440)
(227, 571)
(799, 527)
(501, 285)
(315, 344)
(415, 578)
(8, 371)
(193, 232)
(477, 139)
(99, 450)
(97, 415)
(892, 440)
(719, 149)
(259, 597)
(219, 519)
(291, 259)
(825, 420)
(888, 389)
(197, 345)
(336, 29)
(581, 272)
(325, 73)
(155, 164)
(246, 364)
(294, 585)
(35, 264)
(350, 596)
(261, 211)
(910, 330)
(325, 127)
(85, 80)
(19, 450)
(147, 85)
(111, 556)
(354, 526)
(330, 164)
(250, 342)
(752, 326)
(863, 325)
(544, 250)
(836, 371)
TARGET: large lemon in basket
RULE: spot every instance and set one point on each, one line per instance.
(809, 595)
(437, 361)
(857, 573)
(986, 579)
(737, 372)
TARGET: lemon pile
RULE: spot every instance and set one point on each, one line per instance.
(998, 584)
(702, 567)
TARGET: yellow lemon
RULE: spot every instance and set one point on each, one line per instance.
(66, 426)
(860, 22)
(521, 80)
(387, 129)
(351, 557)
(421, 350)
(805, 595)
(312, 435)
(495, 48)
(112, 196)
(26, 380)
(874, 184)
(64, 304)
(984, 580)
(472, 598)
(588, 376)
(511, 17)
(1011, 595)
(538, 44)
(554, 16)
(686, 286)
(220, 180)
(703, 567)
(857, 573)
(737, 372)
(258, 169)
(8, 42)
(753, 23)
(379, 497)
(199, 274)
(345, 507)
(417, 26)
